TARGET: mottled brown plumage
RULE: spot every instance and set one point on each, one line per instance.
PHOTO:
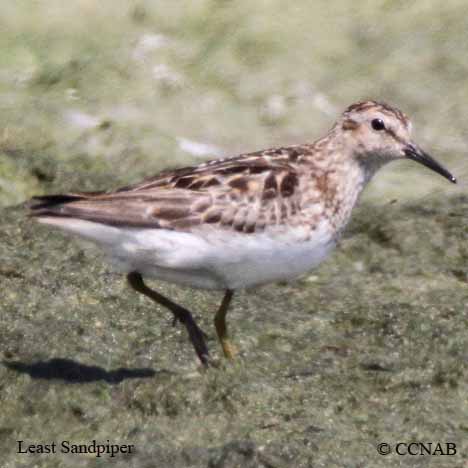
(243, 193)
(243, 221)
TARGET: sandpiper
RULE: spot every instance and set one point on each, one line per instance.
(242, 221)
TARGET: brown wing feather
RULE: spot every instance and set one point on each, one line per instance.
(205, 175)
(243, 193)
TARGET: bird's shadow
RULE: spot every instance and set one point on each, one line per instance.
(74, 372)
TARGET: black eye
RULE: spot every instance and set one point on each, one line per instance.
(378, 124)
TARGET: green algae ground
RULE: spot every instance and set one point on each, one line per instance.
(370, 348)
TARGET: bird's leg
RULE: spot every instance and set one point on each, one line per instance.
(221, 328)
(176, 319)
(196, 335)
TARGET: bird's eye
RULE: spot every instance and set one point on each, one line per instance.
(378, 124)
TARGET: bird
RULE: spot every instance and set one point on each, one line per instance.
(242, 221)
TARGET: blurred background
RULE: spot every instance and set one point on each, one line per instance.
(370, 348)
(94, 94)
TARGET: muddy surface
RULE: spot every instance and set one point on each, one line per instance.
(372, 347)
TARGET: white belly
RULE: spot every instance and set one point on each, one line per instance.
(216, 261)
(209, 258)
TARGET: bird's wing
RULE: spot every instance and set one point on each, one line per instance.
(244, 193)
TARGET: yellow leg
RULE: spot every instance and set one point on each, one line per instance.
(221, 329)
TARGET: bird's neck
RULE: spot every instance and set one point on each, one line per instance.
(337, 180)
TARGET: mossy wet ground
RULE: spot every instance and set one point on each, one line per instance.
(371, 347)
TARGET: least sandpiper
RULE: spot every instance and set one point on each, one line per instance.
(242, 221)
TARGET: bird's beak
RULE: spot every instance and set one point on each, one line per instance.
(417, 154)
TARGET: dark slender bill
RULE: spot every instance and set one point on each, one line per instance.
(418, 155)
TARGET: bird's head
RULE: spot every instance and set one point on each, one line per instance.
(379, 133)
